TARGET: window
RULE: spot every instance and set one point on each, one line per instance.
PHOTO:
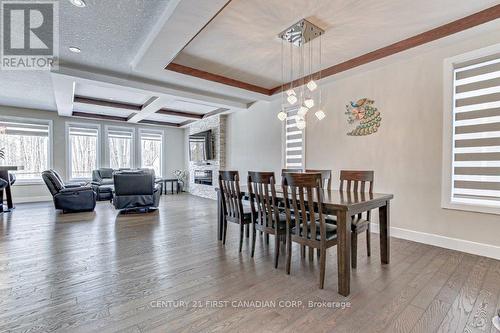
(151, 150)
(83, 150)
(120, 147)
(26, 144)
(475, 147)
(294, 143)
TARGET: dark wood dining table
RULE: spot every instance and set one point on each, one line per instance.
(343, 205)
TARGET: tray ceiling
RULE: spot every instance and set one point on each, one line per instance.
(241, 43)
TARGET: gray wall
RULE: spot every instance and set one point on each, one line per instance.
(406, 153)
(173, 149)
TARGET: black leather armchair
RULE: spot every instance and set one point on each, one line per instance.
(102, 183)
(70, 197)
(136, 189)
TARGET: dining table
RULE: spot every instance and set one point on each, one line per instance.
(344, 205)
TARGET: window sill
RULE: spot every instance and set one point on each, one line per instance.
(28, 182)
(471, 208)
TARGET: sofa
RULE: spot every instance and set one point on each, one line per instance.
(102, 183)
(136, 189)
(75, 197)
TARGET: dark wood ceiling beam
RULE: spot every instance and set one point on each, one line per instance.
(176, 113)
(161, 123)
(215, 78)
(107, 103)
(215, 112)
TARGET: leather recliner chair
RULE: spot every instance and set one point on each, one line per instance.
(69, 197)
(136, 189)
(102, 183)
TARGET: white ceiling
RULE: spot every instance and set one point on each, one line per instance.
(241, 42)
(127, 43)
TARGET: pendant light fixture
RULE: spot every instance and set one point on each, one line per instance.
(301, 67)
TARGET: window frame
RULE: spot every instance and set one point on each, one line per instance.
(70, 124)
(50, 157)
(447, 179)
(107, 157)
(284, 143)
(142, 130)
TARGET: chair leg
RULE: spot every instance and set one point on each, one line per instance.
(322, 262)
(248, 230)
(311, 253)
(303, 251)
(288, 254)
(368, 241)
(276, 250)
(266, 235)
(318, 253)
(354, 249)
(242, 231)
(254, 235)
(224, 231)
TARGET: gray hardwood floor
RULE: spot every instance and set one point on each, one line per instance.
(163, 272)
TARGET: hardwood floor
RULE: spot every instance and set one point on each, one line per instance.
(105, 272)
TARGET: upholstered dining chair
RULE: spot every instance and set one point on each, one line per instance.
(299, 190)
(267, 217)
(232, 205)
(357, 182)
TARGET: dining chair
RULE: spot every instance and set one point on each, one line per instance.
(326, 178)
(232, 205)
(302, 193)
(264, 205)
(356, 181)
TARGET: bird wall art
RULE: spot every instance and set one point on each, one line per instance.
(365, 115)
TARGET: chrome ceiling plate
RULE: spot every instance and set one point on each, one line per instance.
(301, 32)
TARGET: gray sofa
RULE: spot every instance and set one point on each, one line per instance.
(74, 197)
(136, 189)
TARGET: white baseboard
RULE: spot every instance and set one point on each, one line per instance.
(31, 199)
(486, 250)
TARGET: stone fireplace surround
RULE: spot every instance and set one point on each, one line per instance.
(218, 126)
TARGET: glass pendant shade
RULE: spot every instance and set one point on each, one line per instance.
(309, 103)
(320, 114)
(311, 85)
(300, 123)
(282, 115)
(290, 92)
(302, 111)
(292, 99)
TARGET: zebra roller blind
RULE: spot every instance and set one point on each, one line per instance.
(476, 133)
(294, 142)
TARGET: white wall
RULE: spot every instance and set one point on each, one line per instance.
(174, 149)
(405, 154)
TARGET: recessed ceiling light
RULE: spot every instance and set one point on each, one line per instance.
(74, 49)
(78, 3)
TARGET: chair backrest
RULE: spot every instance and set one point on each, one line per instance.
(229, 185)
(53, 181)
(299, 191)
(326, 178)
(135, 182)
(283, 171)
(356, 181)
(264, 205)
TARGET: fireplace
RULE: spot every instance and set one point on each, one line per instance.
(203, 177)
